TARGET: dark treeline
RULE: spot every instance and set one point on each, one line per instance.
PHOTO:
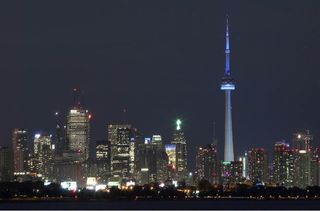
(31, 189)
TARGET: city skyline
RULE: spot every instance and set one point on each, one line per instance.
(163, 95)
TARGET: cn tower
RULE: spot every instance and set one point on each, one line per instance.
(228, 85)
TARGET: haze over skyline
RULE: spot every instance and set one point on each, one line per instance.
(163, 60)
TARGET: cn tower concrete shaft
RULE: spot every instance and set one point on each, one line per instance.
(228, 143)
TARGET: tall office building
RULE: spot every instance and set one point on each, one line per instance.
(152, 161)
(302, 158)
(283, 164)
(245, 165)
(78, 131)
(161, 158)
(43, 152)
(20, 151)
(258, 165)
(123, 139)
(228, 85)
(181, 151)
(6, 164)
(172, 160)
(103, 154)
(59, 139)
(207, 164)
(315, 167)
(302, 171)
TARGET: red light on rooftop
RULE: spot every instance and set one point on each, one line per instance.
(90, 116)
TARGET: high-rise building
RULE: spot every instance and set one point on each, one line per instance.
(6, 164)
(161, 158)
(59, 139)
(69, 168)
(283, 164)
(20, 151)
(232, 172)
(172, 160)
(181, 152)
(123, 139)
(152, 161)
(245, 165)
(315, 167)
(207, 164)
(258, 165)
(78, 131)
(43, 152)
(228, 85)
(302, 172)
(302, 158)
(103, 152)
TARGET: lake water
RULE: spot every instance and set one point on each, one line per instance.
(195, 204)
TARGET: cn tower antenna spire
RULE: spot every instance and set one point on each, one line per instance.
(227, 51)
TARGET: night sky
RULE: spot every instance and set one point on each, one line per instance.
(162, 60)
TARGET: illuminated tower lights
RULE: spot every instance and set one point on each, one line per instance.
(181, 151)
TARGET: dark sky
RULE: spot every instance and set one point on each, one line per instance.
(162, 60)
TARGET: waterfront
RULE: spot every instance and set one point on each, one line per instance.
(221, 204)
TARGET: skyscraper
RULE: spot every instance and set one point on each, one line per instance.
(43, 154)
(228, 85)
(172, 162)
(6, 164)
(283, 167)
(103, 159)
(60, 135)
(20, 151)
(302, 171)
(78, 131)
(245, 165)
(181, 151)
(207, 164)
(302, 158)
(122, 138)
(258, 165)
(152, 161)
(315, 167)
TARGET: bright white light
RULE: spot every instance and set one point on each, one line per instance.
(69, 185)
(161, 185)
(299, 136)
(130, 183)
(302, 151)
(147, 140)
(101, 187)
(227, 87)
(178, 122)
(37, 135)
(53, 146)
(175, 183)
(90, 187)
(91, 181)
(73, 111)
(144, 169)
